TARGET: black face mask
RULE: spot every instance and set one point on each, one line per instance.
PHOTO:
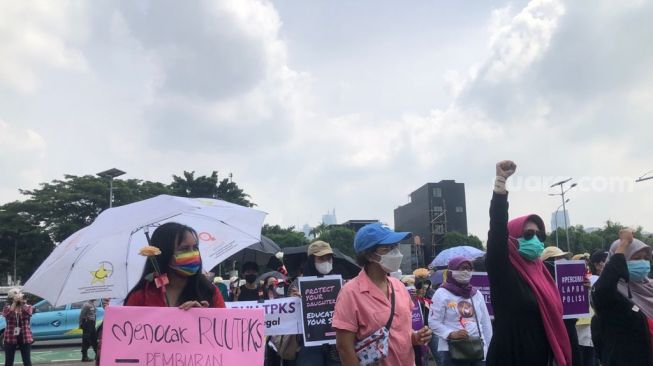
(250, 278)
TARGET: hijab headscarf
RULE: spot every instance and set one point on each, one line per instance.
(642, 292)
(544, 289)
(459, 289)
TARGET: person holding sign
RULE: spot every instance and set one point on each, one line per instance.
(180, 263)
(623, 302)
(528, 326)
(373, 313)
(319, 263)
(18, 331)
(458, 313)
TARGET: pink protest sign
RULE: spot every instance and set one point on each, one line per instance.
(152, 336)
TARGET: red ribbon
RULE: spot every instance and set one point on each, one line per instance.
(161, 280)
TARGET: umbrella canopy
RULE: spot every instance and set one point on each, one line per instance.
(295, 258)
(442, 259)
(260, 252)
(102, 260)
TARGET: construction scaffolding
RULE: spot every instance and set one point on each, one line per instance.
(438, 226)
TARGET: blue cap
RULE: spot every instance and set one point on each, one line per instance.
(377, 234)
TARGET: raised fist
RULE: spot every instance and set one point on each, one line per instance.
(506, 168)
(626, 236)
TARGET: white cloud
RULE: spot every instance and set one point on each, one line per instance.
(21, 153)
(36, 36)
(155, 88)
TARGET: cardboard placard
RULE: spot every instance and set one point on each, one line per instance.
(318, 299)
(282, 316)
(160, 336)
(481, 281)
(570, 276)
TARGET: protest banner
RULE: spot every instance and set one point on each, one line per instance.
(158, 336)
(570, 276)
(282, 316)
(318, 302)
(481, 281)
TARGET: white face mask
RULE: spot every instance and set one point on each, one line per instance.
(391, 261)
(324, 267)
(279, 291)
(462, 276)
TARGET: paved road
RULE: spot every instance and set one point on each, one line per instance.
(64, 353)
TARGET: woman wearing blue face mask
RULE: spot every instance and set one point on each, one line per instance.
(623, 301)
(528, 326)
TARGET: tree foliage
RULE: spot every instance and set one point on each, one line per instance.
(455, 239)
(284, 237)
(56, 209)
(209, 187)
(339, 237)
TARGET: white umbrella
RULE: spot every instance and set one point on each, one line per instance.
(102, 260)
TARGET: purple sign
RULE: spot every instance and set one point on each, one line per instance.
(570, 276)
(418, 320)
(481, 281)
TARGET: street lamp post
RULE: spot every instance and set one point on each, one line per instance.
(555, 215)
(15, 262)
(564, 208)
(111, 173)
(644, 177)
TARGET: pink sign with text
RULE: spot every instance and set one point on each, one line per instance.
(153, 336)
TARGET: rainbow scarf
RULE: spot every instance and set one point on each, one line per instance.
(187, 263)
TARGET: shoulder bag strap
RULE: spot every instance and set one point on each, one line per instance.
(392, 306)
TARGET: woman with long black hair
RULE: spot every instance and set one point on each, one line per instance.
(181, 262)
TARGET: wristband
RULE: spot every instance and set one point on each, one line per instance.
(500, 185)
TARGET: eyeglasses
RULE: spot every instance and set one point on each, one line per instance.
(528, 234)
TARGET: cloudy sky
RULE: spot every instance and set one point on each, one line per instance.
(348, 104)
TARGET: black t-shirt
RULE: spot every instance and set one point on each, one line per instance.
(247, 294)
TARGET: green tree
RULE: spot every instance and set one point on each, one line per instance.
(319, 230)
(65, 206)
(284, 237)
(209, 187)
(23, 237)
(339, 237)
(455, 239)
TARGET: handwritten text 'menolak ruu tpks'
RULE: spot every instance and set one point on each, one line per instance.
(239, 334)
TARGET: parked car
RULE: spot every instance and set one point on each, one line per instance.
(61, 322)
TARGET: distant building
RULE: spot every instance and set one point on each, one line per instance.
(329, 218)
(434, 210)
(558, 220)
(306, 229)
(357, 224)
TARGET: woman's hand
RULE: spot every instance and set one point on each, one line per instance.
(506, 168)
(194, 304)
(422, 336)
(625, 239)
(459, 334)
(294, 291)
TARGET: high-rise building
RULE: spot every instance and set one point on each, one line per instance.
(329, 218)
(306, 229)
(558, 220)
(434, 210)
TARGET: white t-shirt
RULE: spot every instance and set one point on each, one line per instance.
(450, 313)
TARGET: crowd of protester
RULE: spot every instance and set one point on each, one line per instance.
(374, 311)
